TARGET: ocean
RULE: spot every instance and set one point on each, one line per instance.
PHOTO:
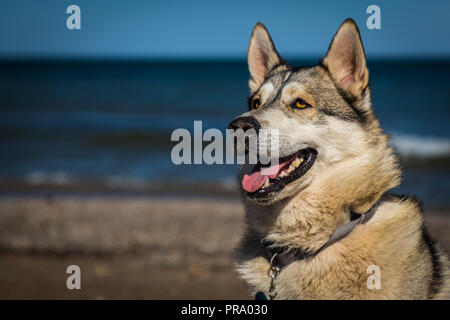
(108, 123)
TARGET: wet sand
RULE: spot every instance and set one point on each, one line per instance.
(129, 247)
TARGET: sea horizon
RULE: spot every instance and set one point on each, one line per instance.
(108, 123)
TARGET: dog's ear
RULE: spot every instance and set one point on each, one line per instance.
(346, 60)
(262, 56)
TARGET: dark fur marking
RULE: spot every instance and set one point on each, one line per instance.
(280, 64)
(323, 66)
(360, 116)
(401, 197)
(339, 115)
(436, 278)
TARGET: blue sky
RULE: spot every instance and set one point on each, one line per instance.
(207, 28)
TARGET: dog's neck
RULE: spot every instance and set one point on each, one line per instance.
(302, 222)
(307, 220)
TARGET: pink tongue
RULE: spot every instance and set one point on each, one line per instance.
(253, 182)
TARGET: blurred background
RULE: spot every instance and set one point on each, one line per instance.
(86, 116)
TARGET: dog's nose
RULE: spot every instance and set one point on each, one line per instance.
(245, 123)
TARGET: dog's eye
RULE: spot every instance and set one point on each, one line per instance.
(300, 104)
(256, 103)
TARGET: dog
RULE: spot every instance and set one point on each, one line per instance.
(325, 226)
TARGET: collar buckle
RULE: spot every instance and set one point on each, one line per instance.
(272, 273)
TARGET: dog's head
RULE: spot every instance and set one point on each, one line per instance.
(323, 115)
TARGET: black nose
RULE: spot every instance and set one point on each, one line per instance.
(245, 123)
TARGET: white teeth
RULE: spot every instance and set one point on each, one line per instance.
(297, 162)
(267, 183)
(283, 174)
(290, 169)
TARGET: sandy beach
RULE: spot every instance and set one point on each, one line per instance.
(141, 247)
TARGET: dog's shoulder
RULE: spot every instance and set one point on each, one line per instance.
(400, 226)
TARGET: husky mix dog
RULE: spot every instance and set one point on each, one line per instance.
(324, 226)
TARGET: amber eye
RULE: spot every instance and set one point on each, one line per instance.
(300, 104)
(256, 103)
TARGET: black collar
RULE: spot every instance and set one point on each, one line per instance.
(281, 257)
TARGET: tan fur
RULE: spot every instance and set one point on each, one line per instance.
(354, 167)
